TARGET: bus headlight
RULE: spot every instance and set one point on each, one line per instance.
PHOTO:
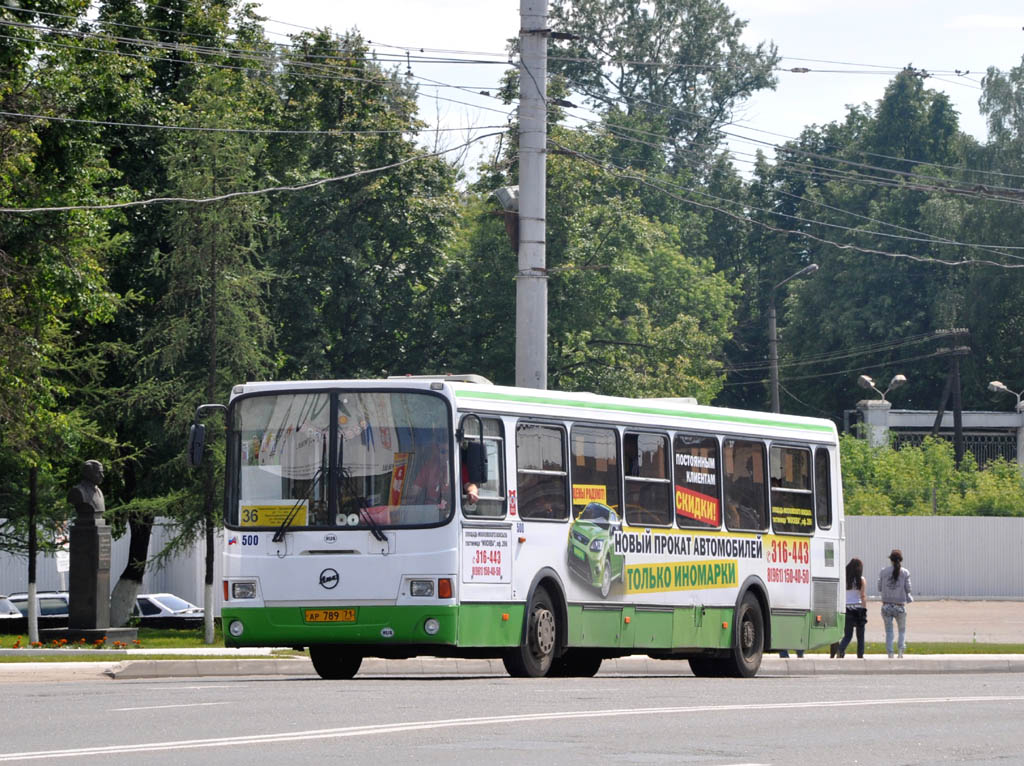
(235, 628)
(431, 626)
(421, 587)
(243, 590)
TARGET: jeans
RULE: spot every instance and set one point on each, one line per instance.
(854, 619)
(899, 612)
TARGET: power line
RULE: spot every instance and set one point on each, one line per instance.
(875, 348)
(796, 150)
(623, 173)
(257, 131)
(925, 237)
(249, 193)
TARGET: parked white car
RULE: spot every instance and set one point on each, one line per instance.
(8, 611)
(165, 610)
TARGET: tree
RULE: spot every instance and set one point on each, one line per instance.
(672, 67)
(52, 276)
(357, 272)
(211, 329)
(635, 308)
(865, 299)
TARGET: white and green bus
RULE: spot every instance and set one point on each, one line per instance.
(448, 516)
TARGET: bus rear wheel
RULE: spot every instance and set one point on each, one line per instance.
(533, 657)
(747, 640)
(334, 662)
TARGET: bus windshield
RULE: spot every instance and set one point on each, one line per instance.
(339, 459)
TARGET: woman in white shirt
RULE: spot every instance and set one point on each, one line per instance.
(856, 607)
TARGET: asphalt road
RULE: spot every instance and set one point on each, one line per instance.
(903, 719)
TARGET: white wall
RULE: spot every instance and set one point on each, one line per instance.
(959, 557)
(182, 575)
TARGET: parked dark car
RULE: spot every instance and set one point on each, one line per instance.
(52, 603)
(53, 611)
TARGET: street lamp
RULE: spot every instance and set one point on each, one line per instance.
(999, 387)
(773, 336)
(897, 380)
(508, 198)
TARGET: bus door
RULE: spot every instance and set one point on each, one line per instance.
(487, 539)
(790, 551)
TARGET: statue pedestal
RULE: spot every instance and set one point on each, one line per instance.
(89, 581)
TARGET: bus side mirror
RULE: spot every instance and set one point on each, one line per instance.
(196, 441)
(476, 463)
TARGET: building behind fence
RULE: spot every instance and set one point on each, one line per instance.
(949, 557)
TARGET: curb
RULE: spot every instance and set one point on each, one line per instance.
(636, 665)
(199, 668)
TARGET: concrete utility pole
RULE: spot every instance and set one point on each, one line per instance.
(532, 279)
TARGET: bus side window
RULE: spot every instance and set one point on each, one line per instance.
(822, 488)
(792, 499)
(744, 472)
(696, 481)
(648, 482)
(492, 492)
(594, 462)
(541, 476)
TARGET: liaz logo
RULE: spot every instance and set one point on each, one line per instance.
(329, 579)
(232, 541)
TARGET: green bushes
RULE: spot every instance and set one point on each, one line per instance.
(924, 480)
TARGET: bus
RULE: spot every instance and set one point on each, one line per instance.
(447, 516)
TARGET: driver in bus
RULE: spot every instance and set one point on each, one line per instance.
(431, 484)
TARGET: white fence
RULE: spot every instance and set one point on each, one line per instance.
(959, 557)
(948, 557)
(182, 575)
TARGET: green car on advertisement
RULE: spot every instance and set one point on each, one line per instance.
(591, 551)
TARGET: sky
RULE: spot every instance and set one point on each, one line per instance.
(852, 48)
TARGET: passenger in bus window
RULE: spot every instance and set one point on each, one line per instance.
(431, 484)
(745, 503)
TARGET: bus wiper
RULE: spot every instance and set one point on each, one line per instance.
(364, 513)
(279, 534)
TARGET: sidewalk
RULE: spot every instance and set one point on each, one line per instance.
(927, 622)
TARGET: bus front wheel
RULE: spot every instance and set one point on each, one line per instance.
(533, 657)
(748, 638)
(333, 662)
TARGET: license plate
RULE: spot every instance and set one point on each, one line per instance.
(330, 615)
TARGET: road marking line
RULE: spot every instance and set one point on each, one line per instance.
(397, 728)
(164, 707)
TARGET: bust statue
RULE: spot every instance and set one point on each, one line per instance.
(86, 497)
